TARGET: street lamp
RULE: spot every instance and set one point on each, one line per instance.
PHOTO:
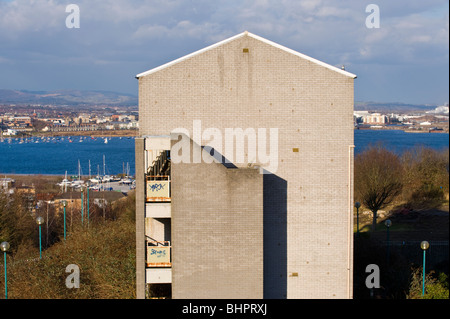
(40, 221)
(87, 190)
(82, 206)
(64, 204)
(424, 245)
(357, 205)
(4, 247)
(388, 224)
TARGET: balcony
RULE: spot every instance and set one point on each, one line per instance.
(158, 275)
(157, 188)
(158, 254)
(157, 180)
(158, 210)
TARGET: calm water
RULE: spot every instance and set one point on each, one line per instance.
(56, 156)
(399, 141)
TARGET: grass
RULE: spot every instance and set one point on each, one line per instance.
(381, 227)
(421, 219)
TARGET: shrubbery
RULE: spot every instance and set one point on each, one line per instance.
(426, 173)
(104, 251)
(436, 285)
(423, 175)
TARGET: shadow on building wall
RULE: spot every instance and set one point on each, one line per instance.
(274, 230)
(275, 236)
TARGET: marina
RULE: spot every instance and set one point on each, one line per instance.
(122, 183)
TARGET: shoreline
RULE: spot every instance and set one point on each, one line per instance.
(3, 175)
(111, 133)
(403, 130)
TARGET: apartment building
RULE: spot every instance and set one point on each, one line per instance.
(375, 118)
(244, 174)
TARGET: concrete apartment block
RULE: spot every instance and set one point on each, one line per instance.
(249, 82)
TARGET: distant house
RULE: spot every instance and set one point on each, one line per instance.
(28, 193)
(10, 132)
(375, 118)
(6, 184)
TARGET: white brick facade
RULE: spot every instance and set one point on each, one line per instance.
(311, 105)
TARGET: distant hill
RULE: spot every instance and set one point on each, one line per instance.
(106, 98)
(67, 97)
(392, 107)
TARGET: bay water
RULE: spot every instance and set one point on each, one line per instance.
(74, 155)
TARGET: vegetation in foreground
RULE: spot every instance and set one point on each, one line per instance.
(104, 252)
(413, 190)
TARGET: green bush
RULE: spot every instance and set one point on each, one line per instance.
(436, 286)
(104, 251)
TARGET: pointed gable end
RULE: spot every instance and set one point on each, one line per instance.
(246, 34)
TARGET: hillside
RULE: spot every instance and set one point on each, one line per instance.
(103, 251)
(394, 107)
(67, 98)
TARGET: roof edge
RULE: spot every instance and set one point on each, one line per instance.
(304, 56)
(163, 66)
(279, 46)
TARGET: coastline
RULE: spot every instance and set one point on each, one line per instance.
(109, 133)
(104, 133)
(444, 130)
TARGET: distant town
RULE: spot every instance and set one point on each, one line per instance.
(28, 120)
(35, 119)
(432, 121)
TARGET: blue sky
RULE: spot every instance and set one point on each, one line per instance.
(405, 60)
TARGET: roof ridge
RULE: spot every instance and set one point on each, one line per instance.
(246, 33)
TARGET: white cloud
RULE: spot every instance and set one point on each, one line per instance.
(146, 32)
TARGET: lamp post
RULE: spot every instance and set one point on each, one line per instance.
(40, 221)
(388, 224)
(64, 205)
(82, 206)
(87, 190)
(424, 245)
(4, 247)
(357, 205)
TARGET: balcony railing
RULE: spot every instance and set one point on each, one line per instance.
(157, 180)
(157, 188)
(159, 254)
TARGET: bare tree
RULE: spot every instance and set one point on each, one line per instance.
(378, 178)
(426, 174)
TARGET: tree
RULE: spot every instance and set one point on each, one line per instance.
(16, 222)
(426, 174)
(378, 178)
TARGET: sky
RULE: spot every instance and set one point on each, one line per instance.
(399, 51)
